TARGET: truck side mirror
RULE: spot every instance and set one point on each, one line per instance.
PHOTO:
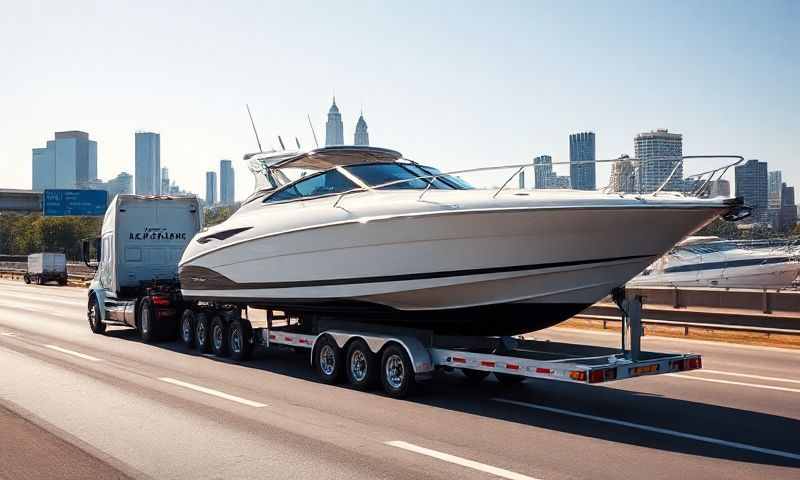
(86, 254)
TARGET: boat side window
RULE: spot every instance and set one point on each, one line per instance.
(451, 180)
(374, 174)
(324, 183)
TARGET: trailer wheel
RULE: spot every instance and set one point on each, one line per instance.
(397, 372)
(509, 379)
(202, 334)
(146, 322)
(474, 376)
(240, 335)
(187, 328)
(219, 337)
(361, 365)
(26, 278)
(328, 360)
(93, 314)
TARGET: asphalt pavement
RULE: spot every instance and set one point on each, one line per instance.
(162, 411)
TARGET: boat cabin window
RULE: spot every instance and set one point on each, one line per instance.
(375, 174)
(324, 183)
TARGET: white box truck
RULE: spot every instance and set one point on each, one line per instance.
(136, 285)
(46, 267)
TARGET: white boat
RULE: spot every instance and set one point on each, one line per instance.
(711, 262)
(371, 236)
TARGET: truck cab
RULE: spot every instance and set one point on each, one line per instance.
(136, 281)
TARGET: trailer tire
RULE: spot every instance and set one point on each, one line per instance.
(145, 323)
(93, 314)
(328, 360)
(361, 365)
(474, 376)
(186, 333)
(219, 337)
(397, 372)
(202, 333)
(27, 279)
(508, 379)
(240, 339)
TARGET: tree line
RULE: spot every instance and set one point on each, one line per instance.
(25, 234)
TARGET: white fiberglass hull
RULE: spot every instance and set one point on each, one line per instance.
(779, 275)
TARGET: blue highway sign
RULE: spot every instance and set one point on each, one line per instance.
(59, 202)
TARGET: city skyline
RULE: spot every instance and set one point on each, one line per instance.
(517, 104)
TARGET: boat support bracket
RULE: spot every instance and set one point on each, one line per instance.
(630, 306)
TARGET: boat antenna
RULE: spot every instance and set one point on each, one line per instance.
(298, 143)
(316, 143)
(280, 140)
(254, 128)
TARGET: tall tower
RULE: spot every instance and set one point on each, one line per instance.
(69, 161)
(147, 168)
(582, 149)
(361, 136)
(752, 184)
(226, 182)
(334, 130)
(660, 153)
(211, 189)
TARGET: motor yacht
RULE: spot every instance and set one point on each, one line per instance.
(368, 235)
(711, 262)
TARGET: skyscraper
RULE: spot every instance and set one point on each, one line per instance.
(361, 136)
(623, 176)
(581, 149)
(68, 161)
(751, 184)
(659, 151)
(211, 189)
(719, 188)
(334, 130)
(165, 180)
(148, 163)
(226, 183)
(774, 188)
(545, 177)
(122, 183)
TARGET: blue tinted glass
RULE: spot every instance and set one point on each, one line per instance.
(323, 184)
(450, 179)
(374, 174)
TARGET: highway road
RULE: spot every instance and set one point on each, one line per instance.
(160, 411)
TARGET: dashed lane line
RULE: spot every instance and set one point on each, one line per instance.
(748, 375)
(74, 353)
(731, 382)
(215, 393)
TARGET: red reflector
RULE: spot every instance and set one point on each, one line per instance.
(459, 360)
(512, 366)
(487, 363)
(288, 339)
(677, 365)
(160, 301)
(693, 363)
(596, 376)
(543, 370)
(611, 373)
(272, 337)
(577, 375)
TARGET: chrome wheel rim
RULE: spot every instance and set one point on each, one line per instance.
(201, 332)
(92, 316)
(216, 335)
(358, 366)
(236, 340)
(327, 359)
(186, 329)
(146, 320)
(395, 371)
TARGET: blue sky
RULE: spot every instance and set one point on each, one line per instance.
(453, 84)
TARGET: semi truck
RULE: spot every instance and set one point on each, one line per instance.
(46, 267)
(136, 285)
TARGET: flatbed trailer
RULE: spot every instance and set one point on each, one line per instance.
(365, 355)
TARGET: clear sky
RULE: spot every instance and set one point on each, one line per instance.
(452, 84)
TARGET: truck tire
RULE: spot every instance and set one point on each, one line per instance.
(219, 337)
(397, 372)
(93, 315)
(146, 321)
(240, 339)
(26, 278)
(361, 365)
(187, 326)
(202, 333)
(328, 360)
(62, 281)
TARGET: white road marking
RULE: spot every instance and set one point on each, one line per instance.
(8, 334)
(216, 393)
(28, 308)
(73, 353)
(499, 472)
(664, 431)
(748, 375)
(730, 382)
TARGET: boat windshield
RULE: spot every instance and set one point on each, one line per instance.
(323, 183)
(376, 174)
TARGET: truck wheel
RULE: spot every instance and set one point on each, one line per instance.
(187, 328)
(146, 322)
(240, 335)
(474, 376)
(202, 333)
(361, 365)
(509, 379)
(328, 360)
(397, 373)
(219, 337)
(95, 322)
(27, 279)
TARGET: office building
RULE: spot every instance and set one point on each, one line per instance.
(119, 185)
(659, 153)
(544, 176)
(622, 177)
(361, 136)
(582, 149)
(226, 183)
(147, 169)
(211, 189)
(751, 185)
(788, 216)
(68, 161)
(719, 188)
(334, 130)
(164, 180)
(774, 188)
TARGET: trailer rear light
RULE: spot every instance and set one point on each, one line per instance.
(544, 370)
(487, 363)
(459, 360)
(577, 375)
(677, 365)
(597, 376)
(158, 300)
(694, 363)
(512, 366)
